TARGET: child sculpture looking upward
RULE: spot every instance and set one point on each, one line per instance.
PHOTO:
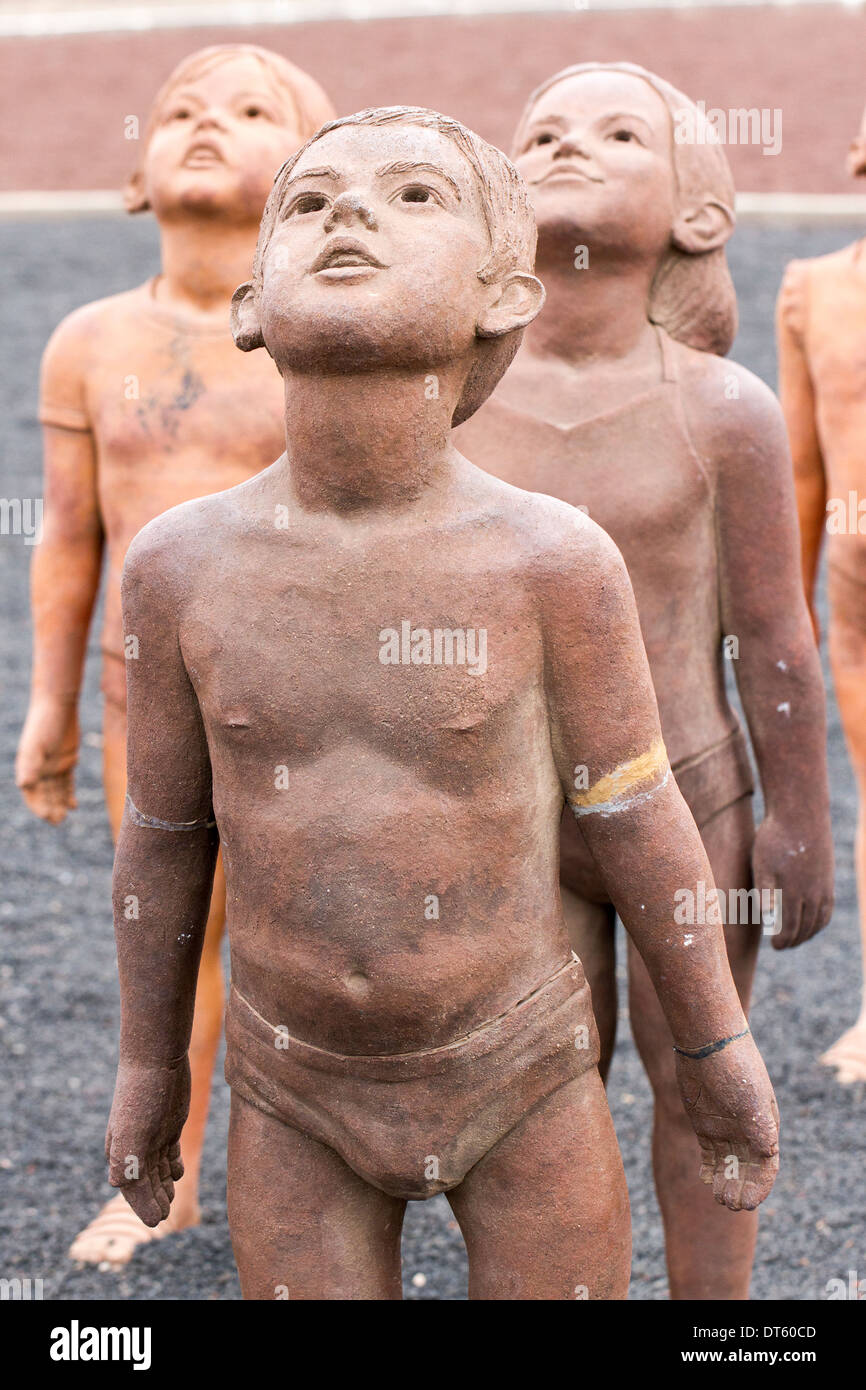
(376, 1053)
(620, 402)
(140, 394)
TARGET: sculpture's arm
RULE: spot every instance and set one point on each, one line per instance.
(797, 395)
(614, 772)
(163, 875)
(777, 664)
(64, 583)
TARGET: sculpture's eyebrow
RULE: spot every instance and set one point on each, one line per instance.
(547, 120)
(410, 166)
(325, 172)
(627, 116)
(185, 94)
(257, 94)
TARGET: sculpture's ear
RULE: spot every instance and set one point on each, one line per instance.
(134, 196)
(246, 325)
(856, 161)
(519, 300)
(704, 227)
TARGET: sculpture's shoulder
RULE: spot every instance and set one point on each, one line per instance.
(556, 546)
(99, 317)
(817, 270)
(730, 412)
(806, 283)
(178, 550)
(86, 335)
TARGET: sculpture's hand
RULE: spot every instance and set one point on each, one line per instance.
(796, 858)
(47, 754)
(730, 1102)
(142, 1144)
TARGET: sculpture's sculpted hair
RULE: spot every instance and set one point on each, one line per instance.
(692, 295)
(507, 212)
(307, 100)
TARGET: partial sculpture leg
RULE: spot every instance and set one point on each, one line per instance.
(115, 1231)
(591, 932)
(710, 1250)
(545, 1213)
(848, 660)
(303, 1224)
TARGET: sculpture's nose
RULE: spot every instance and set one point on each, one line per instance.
(349, 208)
(572, 143)
(207, 118)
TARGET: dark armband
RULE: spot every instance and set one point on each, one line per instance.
(153, 823)
(697, 1054)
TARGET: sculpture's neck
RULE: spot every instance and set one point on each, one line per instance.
(203, 262)
(596, 307)
(369, 441)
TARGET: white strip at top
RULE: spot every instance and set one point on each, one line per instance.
(135, 18)
(38, 205)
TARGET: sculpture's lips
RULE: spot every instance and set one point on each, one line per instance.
(571, 171)
(204, 152)
(345, 253)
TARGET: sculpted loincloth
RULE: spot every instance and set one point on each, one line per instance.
(414, 1123)
(716, 778)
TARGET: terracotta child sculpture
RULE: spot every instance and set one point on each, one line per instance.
(618, 403)
(822, 383)
(369, 674)
(141, 394)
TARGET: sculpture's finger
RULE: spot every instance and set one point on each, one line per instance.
(733, 1194)
(160, 1196)
(720, 1177)
(759, 1183)
(708, 1162)
(165, 1176)
(791, 920)
(140, 1196)
(117, 1163)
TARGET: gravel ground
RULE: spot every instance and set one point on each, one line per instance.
(59, 1009)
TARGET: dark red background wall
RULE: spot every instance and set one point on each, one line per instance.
(63, 100)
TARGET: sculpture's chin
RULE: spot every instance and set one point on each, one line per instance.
(359, 338)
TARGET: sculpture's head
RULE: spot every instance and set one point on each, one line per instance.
(617, 158)
(218, 129)
(395, 238)
(856, 162)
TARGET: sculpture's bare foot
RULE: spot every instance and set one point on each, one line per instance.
(848, 1055)
(116, 1231)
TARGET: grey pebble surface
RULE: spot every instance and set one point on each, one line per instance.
(58, 988)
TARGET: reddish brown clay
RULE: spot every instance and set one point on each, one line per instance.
(618, 403)
(822, 383)
(141, 394)
(375, 674)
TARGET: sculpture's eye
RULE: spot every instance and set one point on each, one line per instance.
(307, 202)
(416, 194)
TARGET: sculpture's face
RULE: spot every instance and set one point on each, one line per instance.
(597, 154)
(857, 152)
(218, 141)
(374, 259)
